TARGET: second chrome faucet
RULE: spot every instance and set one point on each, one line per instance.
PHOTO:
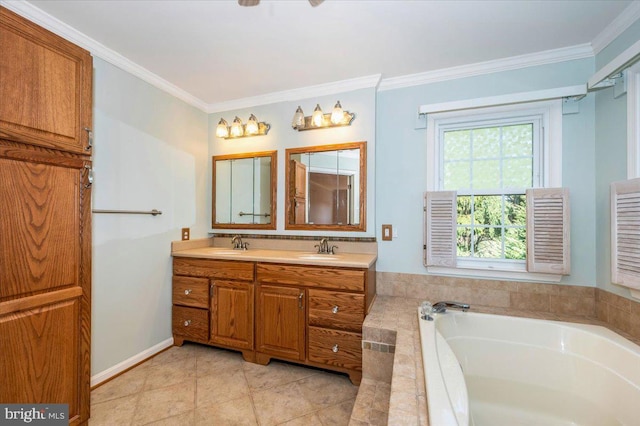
(324, 248)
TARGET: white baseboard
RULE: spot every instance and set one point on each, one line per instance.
(130, 362)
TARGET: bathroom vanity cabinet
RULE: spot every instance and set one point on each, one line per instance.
(213, 303)
(308, 314)
(322, 306)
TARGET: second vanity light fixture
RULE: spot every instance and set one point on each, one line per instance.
(318, 120)
(239, 130)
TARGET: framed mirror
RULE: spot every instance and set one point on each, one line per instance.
(244, 191)
(326, 187)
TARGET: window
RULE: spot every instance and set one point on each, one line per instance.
(490, 157)
(490, 164)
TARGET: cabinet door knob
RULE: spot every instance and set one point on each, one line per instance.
(187, 291)
(335, 348)
(335, 309)
(300, 300)
(187, 323)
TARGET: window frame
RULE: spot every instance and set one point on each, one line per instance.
(633, 122)
(547, 159)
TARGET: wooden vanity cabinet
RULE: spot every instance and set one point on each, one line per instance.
(313, 314)
(307, 314)
(213, 303)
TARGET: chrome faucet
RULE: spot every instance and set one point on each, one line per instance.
(323, 247)
(441, 307)
(238, 244)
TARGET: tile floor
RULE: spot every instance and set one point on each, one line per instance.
(200, 385)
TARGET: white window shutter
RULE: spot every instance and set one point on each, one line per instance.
(548, 229)
(625, 233)
(440, 215)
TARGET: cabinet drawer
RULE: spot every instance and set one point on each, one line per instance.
(211, 268)
(191, 323)
(344, 311)
(312, 276)
(189, 291)
(338, 348)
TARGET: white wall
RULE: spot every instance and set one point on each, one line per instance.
(150, 153)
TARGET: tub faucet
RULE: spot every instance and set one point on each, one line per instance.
(441, 307)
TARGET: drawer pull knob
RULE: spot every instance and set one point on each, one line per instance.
(187, 323)
(187, 291)
(335, 309)
(335, 348)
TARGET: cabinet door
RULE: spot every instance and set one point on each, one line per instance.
(45, 261)
(232, 314)
(39, 362)
(280, 322)
(45, 87)
(41, 223)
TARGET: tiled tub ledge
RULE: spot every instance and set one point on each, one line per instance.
(392, 360)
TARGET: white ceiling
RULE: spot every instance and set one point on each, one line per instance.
(218, 51)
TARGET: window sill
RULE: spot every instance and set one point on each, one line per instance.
(488, 272)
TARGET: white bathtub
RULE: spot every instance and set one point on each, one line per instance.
(483, 369)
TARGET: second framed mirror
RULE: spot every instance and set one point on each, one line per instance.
(326, 187)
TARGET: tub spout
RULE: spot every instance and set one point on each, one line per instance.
(441, 307)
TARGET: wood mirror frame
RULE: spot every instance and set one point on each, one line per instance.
(272, 191)
(290, 187)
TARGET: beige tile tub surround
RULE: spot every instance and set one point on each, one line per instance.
(546, 298)
(391, 340)
(534, 300)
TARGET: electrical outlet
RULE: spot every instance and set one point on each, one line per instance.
(186, 234)
(387, 232)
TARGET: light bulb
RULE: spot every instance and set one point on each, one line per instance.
(317, 118)
(236, 127)
(222, 131)
(337, 115)
(252, 126)
(298, 119)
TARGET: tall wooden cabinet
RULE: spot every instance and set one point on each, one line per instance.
(45, 218)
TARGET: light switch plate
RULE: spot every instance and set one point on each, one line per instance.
(186, 234)
(387, 232)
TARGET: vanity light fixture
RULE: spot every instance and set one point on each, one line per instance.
(239, 130)
(319, 120)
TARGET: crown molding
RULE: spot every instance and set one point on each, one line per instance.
(99, 50)
(628, 16)
(506, 64)
(300, 93)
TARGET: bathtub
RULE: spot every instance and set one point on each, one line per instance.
(483, 369)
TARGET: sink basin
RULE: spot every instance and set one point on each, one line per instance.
(319, 256)
(226, 251)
